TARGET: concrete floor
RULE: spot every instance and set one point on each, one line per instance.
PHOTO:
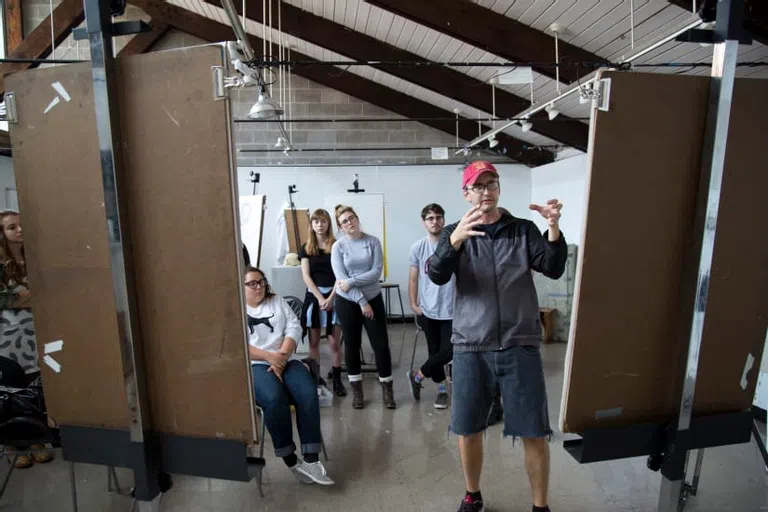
(404, 460)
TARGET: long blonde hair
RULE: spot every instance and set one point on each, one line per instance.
(340, 210)
(15, 271)
(313, 246)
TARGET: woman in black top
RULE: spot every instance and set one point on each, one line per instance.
(318, 311)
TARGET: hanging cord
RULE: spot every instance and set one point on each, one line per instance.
(280, 54)
(632, 22)
(53, 37)
(557, 60)
(263, 30)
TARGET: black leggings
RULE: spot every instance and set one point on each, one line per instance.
(438, 334)
(352, 321)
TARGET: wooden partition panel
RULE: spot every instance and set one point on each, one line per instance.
(58, 177)
(180, 180)
(180, 193)
(633, 298)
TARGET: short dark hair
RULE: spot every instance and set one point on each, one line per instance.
(268, 293)
(432, 207)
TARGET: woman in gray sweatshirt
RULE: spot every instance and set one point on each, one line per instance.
(357, 261)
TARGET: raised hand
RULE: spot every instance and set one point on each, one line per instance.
(465, 228)
(550, 211)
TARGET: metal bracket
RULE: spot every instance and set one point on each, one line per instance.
(121, 28)
(219, 91)
(11, 113)
(599, 92)
(604, 94)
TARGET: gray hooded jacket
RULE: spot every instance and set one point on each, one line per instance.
(495, 304)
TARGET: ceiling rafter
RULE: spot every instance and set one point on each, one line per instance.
(441, 80)
(144, 41)
(353, 85)
(492, 32)
(37, 45)
(755, 16)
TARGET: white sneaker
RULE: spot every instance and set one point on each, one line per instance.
(314, 471)
(302, 478)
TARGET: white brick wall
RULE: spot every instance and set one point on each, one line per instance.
(309, 100)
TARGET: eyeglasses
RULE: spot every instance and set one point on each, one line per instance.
(479, 188)
(347, 220)
(256, 284)
(434, 218)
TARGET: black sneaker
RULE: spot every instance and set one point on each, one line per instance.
(415, 386)
(467, 505)
(441, 400)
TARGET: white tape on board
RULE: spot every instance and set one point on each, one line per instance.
(748, 366)
(55, 366)
(61, 90)
(55, 101)
(54, 346)
(608, 413)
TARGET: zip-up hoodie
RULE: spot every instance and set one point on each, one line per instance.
(495, 304)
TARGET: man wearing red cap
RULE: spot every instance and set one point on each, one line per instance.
(496, 326)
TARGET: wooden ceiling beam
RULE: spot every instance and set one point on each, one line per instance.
(348, 83)
(494, 33)
(14, 28)
(444, 81)
(37, 45)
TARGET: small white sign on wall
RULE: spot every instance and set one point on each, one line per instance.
(439, 153)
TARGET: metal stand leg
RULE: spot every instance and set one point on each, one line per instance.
(415, 342)
(758, 440)
(12, 460)
(73, 484)
(727, 33)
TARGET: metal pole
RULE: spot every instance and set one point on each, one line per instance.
(99, 26)
(729, 17)
(234, 20)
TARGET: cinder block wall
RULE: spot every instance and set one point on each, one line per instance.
(308, 100)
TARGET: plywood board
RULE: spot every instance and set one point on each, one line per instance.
(183, 197)
(58, 175)
(632, 299)
(302, 219)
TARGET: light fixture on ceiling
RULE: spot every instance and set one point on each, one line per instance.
(280, 142)
(492, 142)
(265, 107)
(552, 112)
(526, 125)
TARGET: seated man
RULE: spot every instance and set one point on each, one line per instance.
(281, 380)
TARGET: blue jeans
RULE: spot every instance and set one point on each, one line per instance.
(275, 398)
(519, 373)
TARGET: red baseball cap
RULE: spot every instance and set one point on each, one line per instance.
(475, 169)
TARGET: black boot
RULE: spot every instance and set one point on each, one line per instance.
(388, 395)
(496, 414)
(338, 387)
(358, 401)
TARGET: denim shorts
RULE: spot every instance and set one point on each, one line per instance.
(519, 373)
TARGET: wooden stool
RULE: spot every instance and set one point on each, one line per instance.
(547, 316)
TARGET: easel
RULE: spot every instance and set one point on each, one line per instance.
(292, 190)
(255, 178)
(667, 445)
(135, 440)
